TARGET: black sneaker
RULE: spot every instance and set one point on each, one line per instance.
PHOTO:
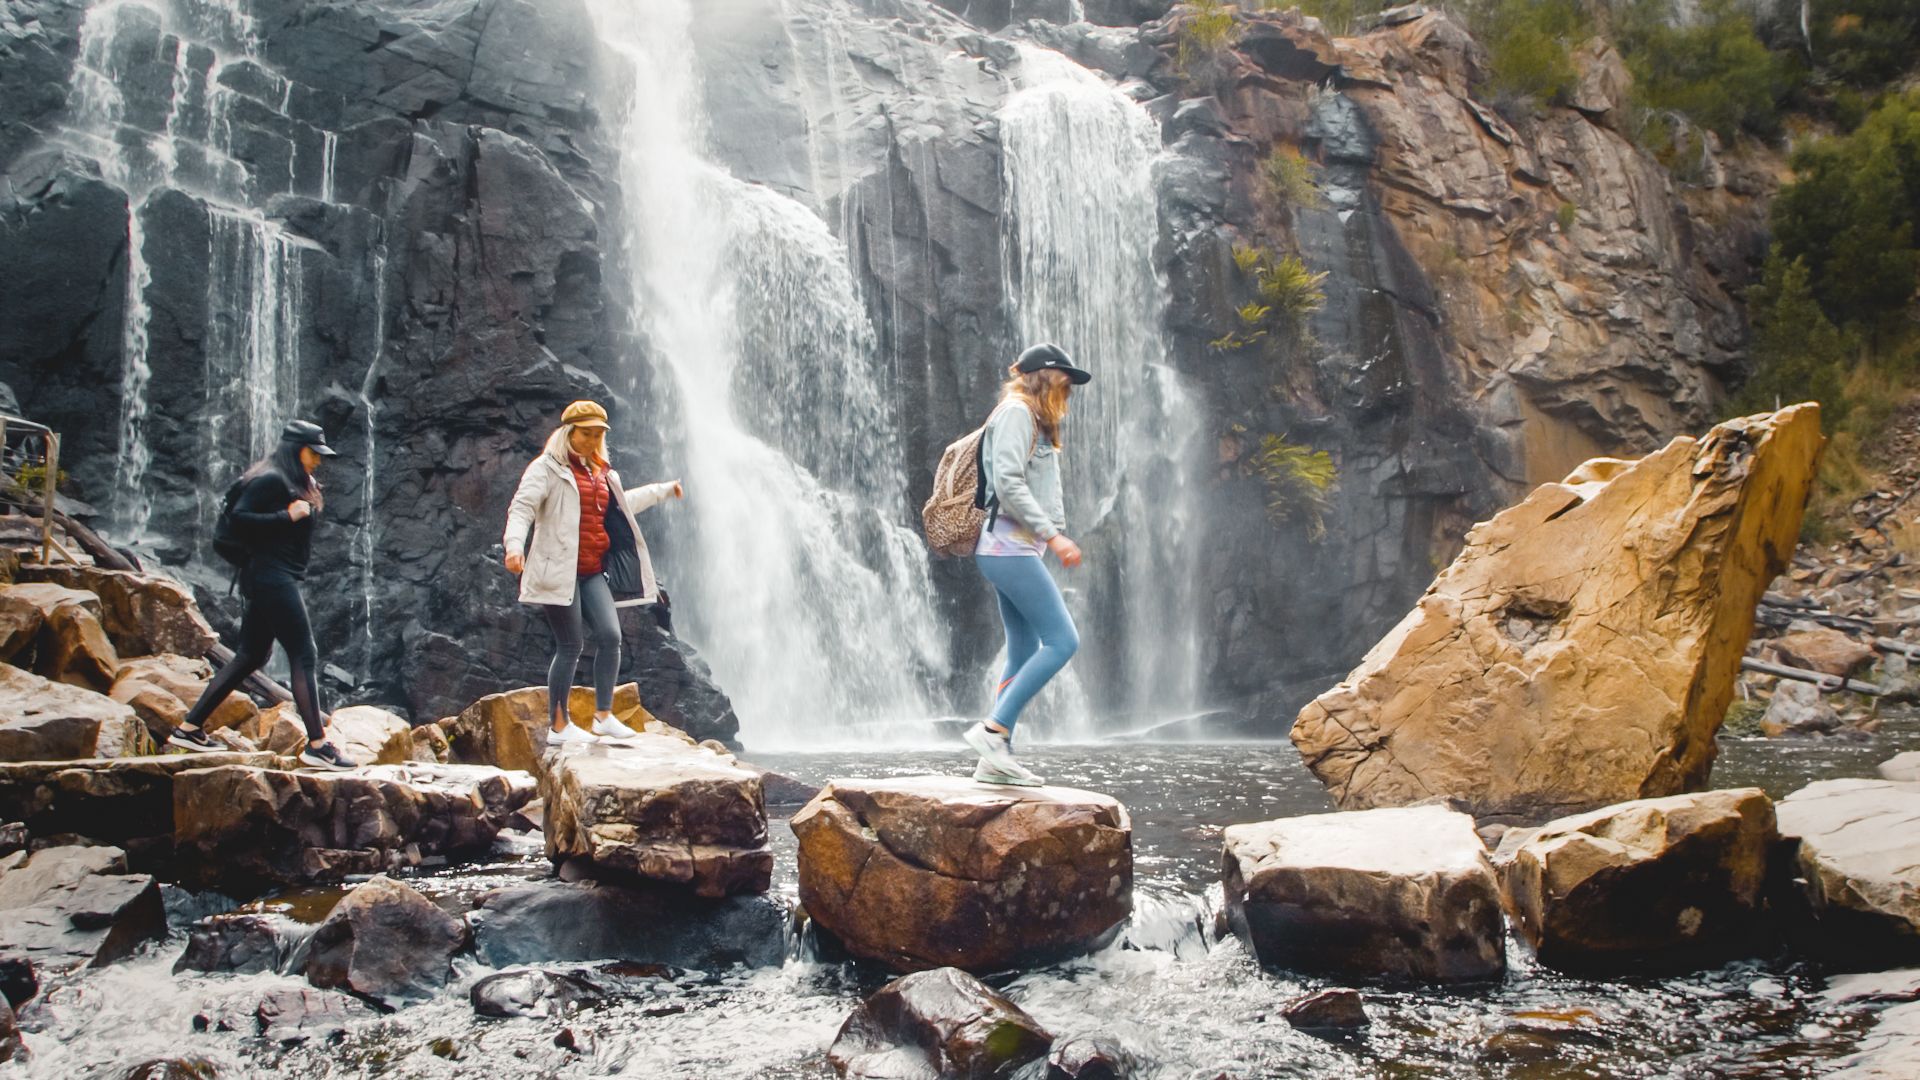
(325, 756)
(193, 741)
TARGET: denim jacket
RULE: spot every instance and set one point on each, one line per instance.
(1023, 470)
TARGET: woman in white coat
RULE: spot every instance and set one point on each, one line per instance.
(586, 546)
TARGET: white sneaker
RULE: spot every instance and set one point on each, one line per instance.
(572, 733)
(993, 748)
(612, 728)
(987, 774)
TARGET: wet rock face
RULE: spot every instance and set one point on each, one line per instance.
(1656, 883)
(533, 993)
(660, 809)
(1583, 648)
(385, 942)
(654, 924)
(71, 907)
(245, 829)
(934, 871)
(1857, 861)
(1405, 893)
(243, 942)
(936, 1023)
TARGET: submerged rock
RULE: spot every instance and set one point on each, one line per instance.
(558, 921)
(1583, 648)
(290, 1016)
(72, 907)
(44, 720)
(385, 942)
(246, 941)
(1859, 858)
(1656, 882)
(1328, 1010)
(933, 871)
(1088, 1057)
(936, 1024)
(1398, 892)
(173, 1069)
(660, 809)
(244, 829)
(534, 993)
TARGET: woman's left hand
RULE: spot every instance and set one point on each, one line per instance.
(679, 490)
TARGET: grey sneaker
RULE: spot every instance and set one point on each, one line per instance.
(986, 774)
(326, 756)
(193, 741)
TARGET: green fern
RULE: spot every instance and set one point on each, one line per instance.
(1299, 482)
(1289, 286)
(1209, 29)
(1254, 314)
(1286, 179)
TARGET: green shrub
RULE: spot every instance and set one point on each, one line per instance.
(1566, 214)
(1286, 180)
(1338, 16)
(1864, 42)
(1299, 482)
(1798, 354)
(1210, 28)
(1714, 69)
(1530, 47)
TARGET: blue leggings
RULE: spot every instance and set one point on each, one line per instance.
(1040, 634)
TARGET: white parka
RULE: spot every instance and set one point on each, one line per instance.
(548, 503)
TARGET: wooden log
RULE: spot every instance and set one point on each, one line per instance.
(1827, 683)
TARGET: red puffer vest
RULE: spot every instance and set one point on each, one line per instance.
(592, 483)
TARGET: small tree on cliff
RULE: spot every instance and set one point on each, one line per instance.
(1798, 354)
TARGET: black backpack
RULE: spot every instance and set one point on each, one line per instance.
(226, 543)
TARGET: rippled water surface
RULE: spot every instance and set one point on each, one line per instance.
(1184, 1005)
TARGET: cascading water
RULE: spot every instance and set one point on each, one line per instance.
(797, 574)
(1079, 175)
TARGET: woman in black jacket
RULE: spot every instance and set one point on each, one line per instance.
(274, 517)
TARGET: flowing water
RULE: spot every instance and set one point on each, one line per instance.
(1079, 176)
(1183, 1004)
(808, 585)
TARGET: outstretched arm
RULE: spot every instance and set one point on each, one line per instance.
(648, 496)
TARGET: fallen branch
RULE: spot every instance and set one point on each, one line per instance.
(1825, 682)
(1894, 645)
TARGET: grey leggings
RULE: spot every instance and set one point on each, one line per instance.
(592, 611)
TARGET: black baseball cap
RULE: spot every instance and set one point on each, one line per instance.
(1051, 357)
(305, 433)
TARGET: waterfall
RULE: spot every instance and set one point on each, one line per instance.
(1079, 174)
(793, 568)
(186, 143)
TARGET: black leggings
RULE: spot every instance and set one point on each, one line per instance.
(592, 611)
(275, 612)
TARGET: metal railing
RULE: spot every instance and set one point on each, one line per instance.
(14, 465)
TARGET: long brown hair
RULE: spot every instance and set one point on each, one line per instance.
(1047, 398)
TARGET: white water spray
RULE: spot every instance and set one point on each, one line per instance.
(796, 574)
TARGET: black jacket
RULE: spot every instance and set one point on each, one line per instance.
(281, 546)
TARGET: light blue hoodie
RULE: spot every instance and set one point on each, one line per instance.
(1023, 470)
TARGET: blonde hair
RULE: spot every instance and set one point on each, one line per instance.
(560, 444)
(1046, 398)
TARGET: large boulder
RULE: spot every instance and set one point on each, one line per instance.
(658, 808)
(124, 801)
(162, 688)
(74, 649)
(43, 720)
(144, 614)
(1829, 652)
(72, 907)
(551, 921)
(23, 616)
(934, 871)
(936, 1024)
(1406, 893)
(509, 730)
(1858, 856)
(242, 829)
(243, 942)
(370, 735)
(1656, 882)
(1582, 649)
(385, 942)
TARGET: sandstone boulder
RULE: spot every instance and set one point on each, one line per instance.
(1827, 651)
(385, 942)
(430, 744)
(72, 907)
(510, 730)
(243, 829)
(370, 735)
(276, 729)
(43, 720)
(125, 801)
(159, 710)
(74, 649)
(182, 679)
(1902, 767)
(555, 921)
(1657, 882)
(1859, 857)
(144, 614)
(1582, 649)
(1397, 892)
(934, 871)
(660, 809)
(934, 1024)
